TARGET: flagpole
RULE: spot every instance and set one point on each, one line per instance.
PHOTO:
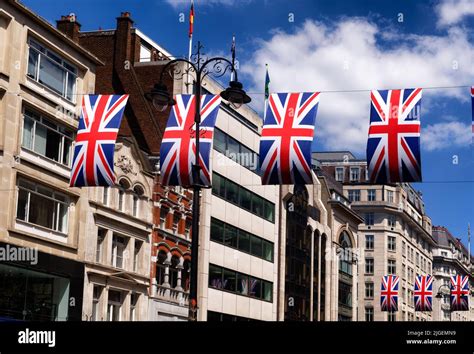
(191, 30)
(469, 240)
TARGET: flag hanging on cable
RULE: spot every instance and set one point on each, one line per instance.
(178, 147)
(287, 135)
(93, 161)
(423, 293)
(393, 145)
(191, 19)
(459, 293)
(389, 293)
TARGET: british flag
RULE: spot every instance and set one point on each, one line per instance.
(389, 293)
(424, 293)
(393, 146)
(287, 135)
(178, 147)
(459, 293)
(93, 162)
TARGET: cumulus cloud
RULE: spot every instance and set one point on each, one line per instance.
(453, 11)
(352, 54)
(443, 135)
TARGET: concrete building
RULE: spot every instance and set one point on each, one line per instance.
(42, 72)
(395, 237)
(450, 257)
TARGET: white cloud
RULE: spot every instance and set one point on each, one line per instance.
(351, 55)
(453, 11)
(442, 135)
(180, 4)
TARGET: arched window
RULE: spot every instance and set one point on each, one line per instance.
(345, 277)
(185, 275)
(174, 272)
(160, 267)
(345, 254)
(164, 210)
(123, 186)
(137, 195)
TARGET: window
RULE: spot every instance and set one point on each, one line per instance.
(163, 215)
(354, 195)
(231, 236)
(118, 248)
(404, 246)
(355, 172)
(236, 151)
(137, 195)
(136, 255)
(173, 272)
(121, 197)
(46, 67)
(392, 267)
(369, 290)
(369, 218)
(371, 195)
(391, 243)
(187, 228)
(46, 138)
(123, 186)
(252, 202)
(369, 266)
(392, 220)
(133, 306)
(96, 293)
(369, 314)
(390, 196)
(239, 283)
(340, 174)
(114, 307)
(160, 267)
(176, 219)
(392, 316)
(369, 242)
(42, 206)
(105, 196)
(100, 242)
(417, 258)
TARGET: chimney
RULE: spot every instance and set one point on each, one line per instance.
(123, 37)
(69, 26)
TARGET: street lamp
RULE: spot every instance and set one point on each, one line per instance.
(440, 295)
(161, 99)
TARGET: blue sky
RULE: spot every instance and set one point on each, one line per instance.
(336, 45)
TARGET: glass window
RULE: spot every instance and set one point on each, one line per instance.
(268, 251)
(218, 185)
(369, 314)
(220, 142)
(392, 243)
(269, 210)
(267, 290)
(233, 148)
(245, 199)
(257, 205)
(392, 268)
(369, 242)
(256, 246)
(215, 276)
(232, 192)
(354, 195)
(230, 236)
(244, 241)
(371, 195)
(390, 196)
(369, 218)
(340, 174)
(48, 68)
(369, 266)
(242, 284)
(230, 280)
(255, 287)
(217, 230)
(369, 290)
(355, 171)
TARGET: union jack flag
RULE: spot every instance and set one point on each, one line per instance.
(389, 293)
(424, 293)
(93, 162)
(459, 293)
(393, 146)
(287, 135)
(178, 147)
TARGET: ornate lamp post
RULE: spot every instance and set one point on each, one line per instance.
(161, 99)
(440, 295)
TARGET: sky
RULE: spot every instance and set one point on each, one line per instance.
(327, 45)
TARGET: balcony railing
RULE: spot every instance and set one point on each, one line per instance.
(176, 296)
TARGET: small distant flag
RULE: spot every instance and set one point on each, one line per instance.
(267, 83)
(191, 19)
(232, 50)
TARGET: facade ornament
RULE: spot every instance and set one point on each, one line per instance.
(125, 164)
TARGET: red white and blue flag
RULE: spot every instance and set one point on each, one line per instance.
(287, 135)
(389, 293)
(424, 293)
(459, 293)
(178, 147)
(93, 162)
(393, 146)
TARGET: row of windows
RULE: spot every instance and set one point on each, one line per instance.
(236, 151)
(369, 219)
(49, 69)
(238, 195)
(223, 317)
(391, 243)
(244, 241)
(115, 305)
(354, 195)
(369, 266)
(239, 283)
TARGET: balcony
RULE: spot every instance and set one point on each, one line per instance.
(175, 296)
